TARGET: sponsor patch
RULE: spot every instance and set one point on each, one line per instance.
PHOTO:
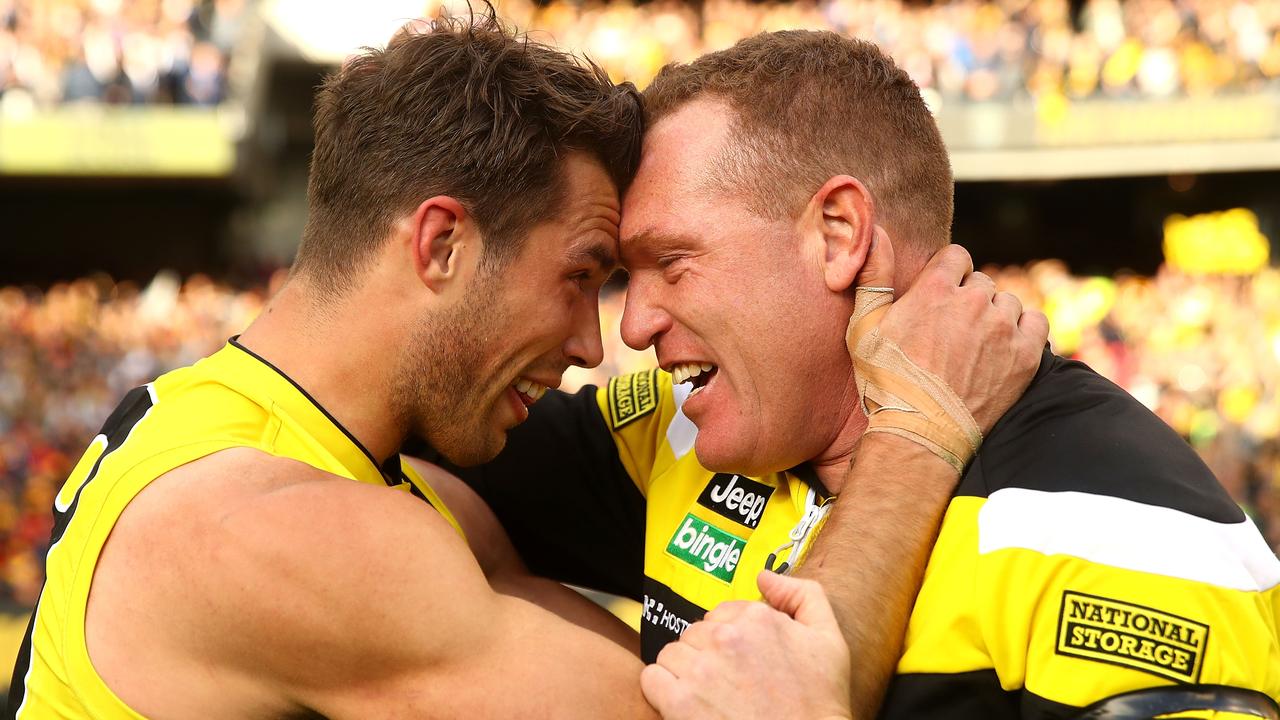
(737, 498)
(706, 547)
(631, 397)
(1132, 636)
(664, 618)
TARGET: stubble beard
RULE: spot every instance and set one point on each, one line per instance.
(443, 398)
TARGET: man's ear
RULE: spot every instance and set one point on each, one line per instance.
(441, 235)
(843, 217)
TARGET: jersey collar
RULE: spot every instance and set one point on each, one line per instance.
(283, 391)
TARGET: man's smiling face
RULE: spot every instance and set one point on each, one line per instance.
(731, 301)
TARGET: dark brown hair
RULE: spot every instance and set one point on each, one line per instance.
(811, 105)
(458, 107)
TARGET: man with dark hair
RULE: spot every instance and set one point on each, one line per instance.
(1086, 551)
(243, 539)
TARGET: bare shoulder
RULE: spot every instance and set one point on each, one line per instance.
(277, 576)
(486, 537)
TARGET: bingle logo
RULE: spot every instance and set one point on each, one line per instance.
(739, 499)
(706, 547)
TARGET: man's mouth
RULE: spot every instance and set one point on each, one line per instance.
(697, 373)
(528, 391)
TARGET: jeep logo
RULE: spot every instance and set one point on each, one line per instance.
(737, 498)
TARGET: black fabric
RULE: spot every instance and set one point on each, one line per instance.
(664, 618)
(1074, 430)
(973, 695)
(18, 683)
(135, 406)
(1179, 700)
(564, 497)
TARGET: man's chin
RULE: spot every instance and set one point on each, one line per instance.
(718, 456)
(469, 454)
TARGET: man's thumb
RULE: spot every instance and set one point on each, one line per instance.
(877, 269)
(802, 599)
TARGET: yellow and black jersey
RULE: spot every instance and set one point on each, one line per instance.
(1087, 552)
(232, 398)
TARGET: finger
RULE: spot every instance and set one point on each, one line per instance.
(980, 280)
(1035, 326)
(877, 268)
(729, 611)
(949, 265)
(664, 691)
(1009, 305)
(698, 635)
(678, 658)
(802, 599)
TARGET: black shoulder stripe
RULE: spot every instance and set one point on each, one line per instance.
(1075, 430)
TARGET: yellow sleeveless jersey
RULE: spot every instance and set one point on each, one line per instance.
(1088, 552)
(230, 399)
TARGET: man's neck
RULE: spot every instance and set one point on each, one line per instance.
(337, 356)
(832, 464)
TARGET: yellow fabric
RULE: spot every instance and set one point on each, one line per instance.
(996, 611)
(230, 399)
(1005, 610)
(672, 486)
(642, 447)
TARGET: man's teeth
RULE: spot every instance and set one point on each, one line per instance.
(685, 372)
(530, 388)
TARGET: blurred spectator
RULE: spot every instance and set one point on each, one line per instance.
(176, 51)
(116, 51)
(958, 50)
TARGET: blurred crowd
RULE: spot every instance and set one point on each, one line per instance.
(176, 51)
(117, 51)
(1203, 352)
(67, 357)
(962, 49)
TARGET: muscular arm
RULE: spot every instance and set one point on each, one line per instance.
(503, 567)
(326, 595)
(871, 555)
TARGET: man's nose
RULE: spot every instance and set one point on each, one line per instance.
(584, 348)
(643, 320)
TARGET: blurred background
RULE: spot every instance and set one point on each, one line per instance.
(1117, 165)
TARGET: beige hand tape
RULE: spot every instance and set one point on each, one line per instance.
(900, 397)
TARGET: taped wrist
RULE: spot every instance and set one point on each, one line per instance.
(900, 397)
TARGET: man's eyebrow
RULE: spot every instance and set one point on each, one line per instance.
(601, 253)
(655, 242)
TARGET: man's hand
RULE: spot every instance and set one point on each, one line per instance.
(747, 660)
(953, 323)
(977, 352)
